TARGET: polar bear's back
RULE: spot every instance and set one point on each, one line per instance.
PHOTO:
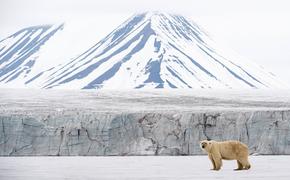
(230, 150)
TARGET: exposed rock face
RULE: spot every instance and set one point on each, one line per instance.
(77, 133)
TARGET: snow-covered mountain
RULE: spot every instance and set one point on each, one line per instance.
(149, 50)
(19, 52)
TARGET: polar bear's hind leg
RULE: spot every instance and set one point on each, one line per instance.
(248, 165)
(240, 166)
(245, 163)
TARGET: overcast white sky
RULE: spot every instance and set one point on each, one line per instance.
(257, 29)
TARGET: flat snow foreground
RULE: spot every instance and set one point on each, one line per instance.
(139, 167)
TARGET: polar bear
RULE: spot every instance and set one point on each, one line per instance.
(227, 150)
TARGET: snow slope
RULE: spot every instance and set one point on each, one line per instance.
(154, 50)
(19, 53)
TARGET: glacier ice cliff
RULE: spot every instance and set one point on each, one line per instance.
(50, 125)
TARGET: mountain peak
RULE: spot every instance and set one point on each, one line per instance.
(155, 50)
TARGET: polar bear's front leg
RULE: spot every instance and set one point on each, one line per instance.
(218, 161)
(212, 161)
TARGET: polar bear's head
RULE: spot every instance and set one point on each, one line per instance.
(206, 145)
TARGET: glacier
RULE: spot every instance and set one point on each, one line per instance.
(106, 123)
(149, 50)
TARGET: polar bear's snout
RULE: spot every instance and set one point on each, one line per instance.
(203, 145)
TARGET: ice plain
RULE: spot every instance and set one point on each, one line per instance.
(139, 168)
(123, 101)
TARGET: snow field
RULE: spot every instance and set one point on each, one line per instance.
(139, 167)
